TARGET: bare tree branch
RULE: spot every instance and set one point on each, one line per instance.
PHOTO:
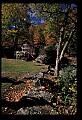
(63, 26)
(67, 42)
(60, 12)
(72, 20)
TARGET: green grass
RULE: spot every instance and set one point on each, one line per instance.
(17, 68)
(12, 68)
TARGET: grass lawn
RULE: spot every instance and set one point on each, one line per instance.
(17, 68)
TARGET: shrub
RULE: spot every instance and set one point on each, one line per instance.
(68, 83)
(50, 54)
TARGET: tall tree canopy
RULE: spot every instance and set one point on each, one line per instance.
(15, 14)
(61, 23)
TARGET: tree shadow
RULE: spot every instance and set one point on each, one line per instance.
(26, 102)
(50, 85)
(10, 80)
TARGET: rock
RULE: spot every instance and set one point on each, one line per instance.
(37, 110)
(41, 87)
(70, 108)
(39, 93)
(33, 61)
(40, 58)
(66, 111)
(39, 75)
(54, 104)
(21, 111)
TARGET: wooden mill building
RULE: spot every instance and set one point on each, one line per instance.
(26, 53)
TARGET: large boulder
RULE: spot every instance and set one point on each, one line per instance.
(40, 58)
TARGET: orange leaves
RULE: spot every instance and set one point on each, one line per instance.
(43, 25)
(36, 35)
(39, 35)
(50, 40)
(36, 38)
(18, 91)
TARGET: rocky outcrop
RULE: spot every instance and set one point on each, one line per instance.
(41, 58)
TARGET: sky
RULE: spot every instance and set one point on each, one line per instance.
(36, 20)
(39, 20)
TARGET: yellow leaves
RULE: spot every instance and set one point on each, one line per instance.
(13, 10)
(72, 89)
(11, 31)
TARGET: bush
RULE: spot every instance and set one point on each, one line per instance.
(8, 52)
(68, 82)
(68, 74)
(50, 54)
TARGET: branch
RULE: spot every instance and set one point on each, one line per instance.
(72, 20)
(64, 25)
(67, 42)
(73, 13)
(55, 13)
(61, 31)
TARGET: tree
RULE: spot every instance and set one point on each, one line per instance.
(16, 15)
(50, 39)
(42, 37)
(8, 37)
(65, 24)
(31, 34)
(50, 54)
(36, 35)
(64, 39)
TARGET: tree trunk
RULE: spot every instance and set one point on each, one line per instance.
(66, 44)
(60, 55)
(57, 63)
(57, 68)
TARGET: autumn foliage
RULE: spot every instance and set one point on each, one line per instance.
(50, 40)
(36, 38)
